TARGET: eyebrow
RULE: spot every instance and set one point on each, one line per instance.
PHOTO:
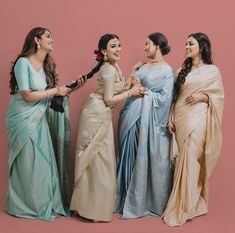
(115, 44)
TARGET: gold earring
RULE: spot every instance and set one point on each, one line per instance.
(105, 58)
(38, 46)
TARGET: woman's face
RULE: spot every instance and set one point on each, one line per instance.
(192, 48)
(113, 50)
(46, 41)
(150, 48)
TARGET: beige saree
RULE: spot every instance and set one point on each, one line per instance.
(196, 145)
(95, 166)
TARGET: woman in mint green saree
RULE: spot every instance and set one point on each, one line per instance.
(39, 138)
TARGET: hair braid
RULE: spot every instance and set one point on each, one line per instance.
(186, 68)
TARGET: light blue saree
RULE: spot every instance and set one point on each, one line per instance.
(144, 176)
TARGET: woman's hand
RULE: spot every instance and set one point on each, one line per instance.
(81, 81)
(129, 81)
(135, 81)
(138, 90)
(63, 90)
(132, 81)
(195, 98)
(171, 127)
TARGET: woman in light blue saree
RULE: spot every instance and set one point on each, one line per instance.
(144, 177)
(39, 137)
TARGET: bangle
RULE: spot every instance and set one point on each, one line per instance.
(58, 90)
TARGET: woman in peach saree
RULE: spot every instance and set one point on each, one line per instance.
(195, 124)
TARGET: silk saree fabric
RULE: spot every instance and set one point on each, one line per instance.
(196, 145)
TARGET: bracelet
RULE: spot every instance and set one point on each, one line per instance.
(130, 93)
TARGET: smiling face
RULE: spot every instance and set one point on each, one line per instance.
(150, 48)
(113, 50)
(192, 48)
(45, 41)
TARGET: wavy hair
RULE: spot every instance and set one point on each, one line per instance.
(206, 56)
(29, 48)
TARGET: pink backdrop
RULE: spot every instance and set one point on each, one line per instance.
(76, 26)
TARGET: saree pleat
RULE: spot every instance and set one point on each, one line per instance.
(33, 181)
(60, 131)
(198, 137)
(95, 162)
(144, 173)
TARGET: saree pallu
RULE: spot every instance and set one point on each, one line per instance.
(34, 189)
(197, 145)
(144, 175)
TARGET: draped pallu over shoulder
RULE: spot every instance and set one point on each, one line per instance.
(198, 144)
(144, 175)
(33, 183)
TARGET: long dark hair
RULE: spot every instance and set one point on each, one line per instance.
(160, 40)
(103, 41)
(57, 101)
(206, 56)
(29, 48)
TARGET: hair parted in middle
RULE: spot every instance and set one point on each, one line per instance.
(206, 56)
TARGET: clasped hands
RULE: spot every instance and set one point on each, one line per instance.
(135, 85)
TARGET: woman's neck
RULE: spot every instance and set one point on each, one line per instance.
(197, 62)
(113, 63)
(157, 58)
(38, 57)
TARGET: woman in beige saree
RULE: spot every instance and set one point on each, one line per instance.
(95, 166)
(195, 124)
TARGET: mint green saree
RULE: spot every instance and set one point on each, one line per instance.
(35, 188)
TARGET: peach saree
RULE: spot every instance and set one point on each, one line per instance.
(196, 145)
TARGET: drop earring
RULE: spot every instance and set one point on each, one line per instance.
(105, 58)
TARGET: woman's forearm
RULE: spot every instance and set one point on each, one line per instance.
(30, 96)
(118, 98)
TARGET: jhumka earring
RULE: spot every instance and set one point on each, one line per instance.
(105, 58)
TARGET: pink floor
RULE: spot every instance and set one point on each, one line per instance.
(220, 219)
